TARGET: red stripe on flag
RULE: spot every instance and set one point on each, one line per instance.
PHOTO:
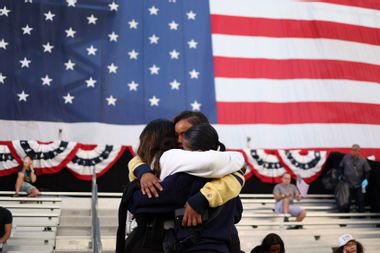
(232, 25)
(297, 113)
(295, 69)
(368, 4)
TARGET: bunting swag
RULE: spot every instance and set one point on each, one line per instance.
(305, 163)
(9, 160)
(89, 157)
(269, 165)
(51, 157)
(81, 160)
(264, 164)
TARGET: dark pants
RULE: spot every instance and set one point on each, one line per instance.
(359, 197)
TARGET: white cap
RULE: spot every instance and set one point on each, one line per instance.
(344, 239)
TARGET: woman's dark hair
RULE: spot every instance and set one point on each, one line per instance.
(359, 247)
(156, 138)
(270, 240)
(194, 118)
(203, 137)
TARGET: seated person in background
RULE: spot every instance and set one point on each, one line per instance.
(272, 243)
(5, 225)
(347, 244)
(27, 176)
(285, 193)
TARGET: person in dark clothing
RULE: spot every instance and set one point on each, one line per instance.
(214, 236)
(152, 213)
(272, 243)
(356, 173)
(5, 225)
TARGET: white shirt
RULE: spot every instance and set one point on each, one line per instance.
(207, 164)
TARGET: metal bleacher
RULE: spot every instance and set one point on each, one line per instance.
(61, 222)
(35, 222)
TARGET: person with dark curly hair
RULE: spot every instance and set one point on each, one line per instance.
(272, 243)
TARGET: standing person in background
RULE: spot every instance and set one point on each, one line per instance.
(26, 177)
(356, 173)
(272, 243)
(285, 193)
(347, 244)
(5, 226)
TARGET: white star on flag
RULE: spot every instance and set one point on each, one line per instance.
(191, 15)
(68, 98)
(192, 43)
(175, 85)
(27, 30)
(154, 70)
(29, 1)
(3, 44)
(113, 6)
(112, 68)
(49, 16)
(70, 32)
(2, 78)
(174, 54)
(194, 74)
(22, 96)
(154, 101)
(4, 11)
(91, 50)
(46, 80)
(25, 62)
(47, 47)
(133, 86)
(71, 3)
(195, 106)
(133, 24)
(133, 54)
(90, 82)
(69, 65)
(113, 36)
(173, 25)
(154, 39)
(92, 19)
(153, 10)
(111, 100)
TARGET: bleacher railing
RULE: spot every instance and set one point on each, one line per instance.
(95, 228)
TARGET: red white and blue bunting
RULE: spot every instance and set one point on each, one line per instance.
(81, 160)
(9, 160)
(269, 165)
(305, 163)
(90, 157)
(51, 157)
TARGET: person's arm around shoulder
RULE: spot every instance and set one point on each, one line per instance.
(213, 194)
(150, 184)
(208, 164)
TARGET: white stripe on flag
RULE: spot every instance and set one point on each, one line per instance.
(285, 9)
(296, 90)
(294, 48)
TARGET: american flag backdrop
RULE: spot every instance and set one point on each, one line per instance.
(269, 74)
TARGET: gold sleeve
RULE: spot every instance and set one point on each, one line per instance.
(219, 191)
